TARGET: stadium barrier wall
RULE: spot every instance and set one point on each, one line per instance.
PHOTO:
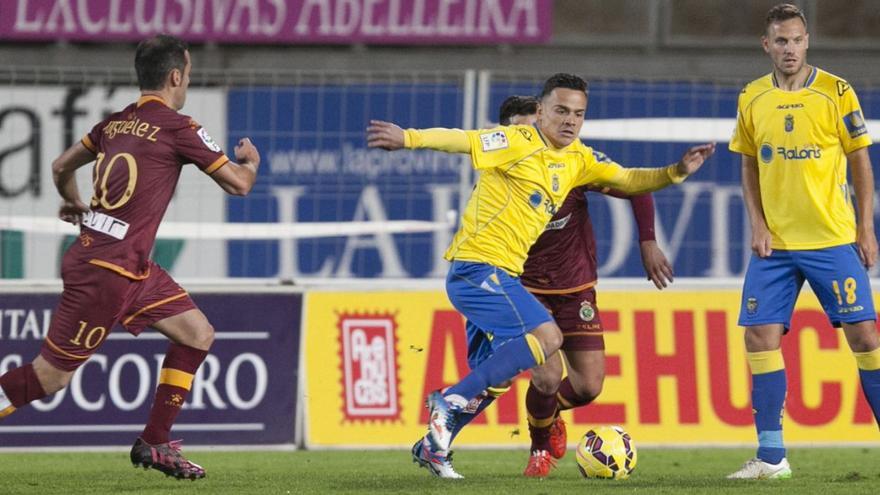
(245, 393)
(309, 127)
(676, 371)
(37, 123)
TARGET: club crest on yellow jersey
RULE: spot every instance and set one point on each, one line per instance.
(536, 198)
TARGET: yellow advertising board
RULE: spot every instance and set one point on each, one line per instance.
(675, 365)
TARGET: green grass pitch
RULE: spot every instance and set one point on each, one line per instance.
(825, 471)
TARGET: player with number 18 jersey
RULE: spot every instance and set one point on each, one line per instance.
(800, 140)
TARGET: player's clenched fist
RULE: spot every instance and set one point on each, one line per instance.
(72, 211)
(245, 151)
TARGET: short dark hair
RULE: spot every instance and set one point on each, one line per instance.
(156, 57)
(783, 12)
(561, 80)
(516, 105)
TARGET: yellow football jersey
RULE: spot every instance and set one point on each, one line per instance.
(800, 140)
(522, 181)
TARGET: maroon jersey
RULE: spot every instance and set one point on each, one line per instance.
(140, 153)
(563, 259)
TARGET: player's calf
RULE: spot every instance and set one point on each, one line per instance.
(18, 388)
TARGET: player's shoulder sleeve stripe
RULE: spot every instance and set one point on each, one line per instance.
(219, 162)
(87, 142)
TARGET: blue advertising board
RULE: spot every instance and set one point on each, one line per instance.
(702, 223)
(317, 168)
(244, 393)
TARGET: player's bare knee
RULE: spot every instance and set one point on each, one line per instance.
(862, 336)
(763, 338)
(590, 390)
(586, 386)
(550, 337)
(204, 337)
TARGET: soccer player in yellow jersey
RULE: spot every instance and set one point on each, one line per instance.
(797, 130)
(525, 172)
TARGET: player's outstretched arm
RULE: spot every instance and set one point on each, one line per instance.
(238, 178)
(633, 181)
(389, 136)
(863, 183)
(64, 175)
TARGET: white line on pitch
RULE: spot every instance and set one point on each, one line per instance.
(217, 336)
(139, 427)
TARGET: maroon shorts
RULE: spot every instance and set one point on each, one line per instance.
(578, 318)
(95, 299)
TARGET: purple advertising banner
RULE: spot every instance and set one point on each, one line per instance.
(281, 21)
(244, 392)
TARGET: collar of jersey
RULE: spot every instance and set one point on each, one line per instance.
(806, 84)
(146, 98)
(540, 135)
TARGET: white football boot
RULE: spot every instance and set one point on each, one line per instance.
(442, 417)
(756, 469)
(438, 463)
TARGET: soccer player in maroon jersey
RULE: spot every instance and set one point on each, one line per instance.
(107, 273)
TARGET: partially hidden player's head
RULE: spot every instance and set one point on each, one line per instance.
(561, 109)
(518, 110)
(163, 65)
(786, 39)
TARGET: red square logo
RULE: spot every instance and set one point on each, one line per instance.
(369, 367)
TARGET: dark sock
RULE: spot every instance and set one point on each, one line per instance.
(175, 380)
(20, 387)
(566, 397)
(541, 414)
